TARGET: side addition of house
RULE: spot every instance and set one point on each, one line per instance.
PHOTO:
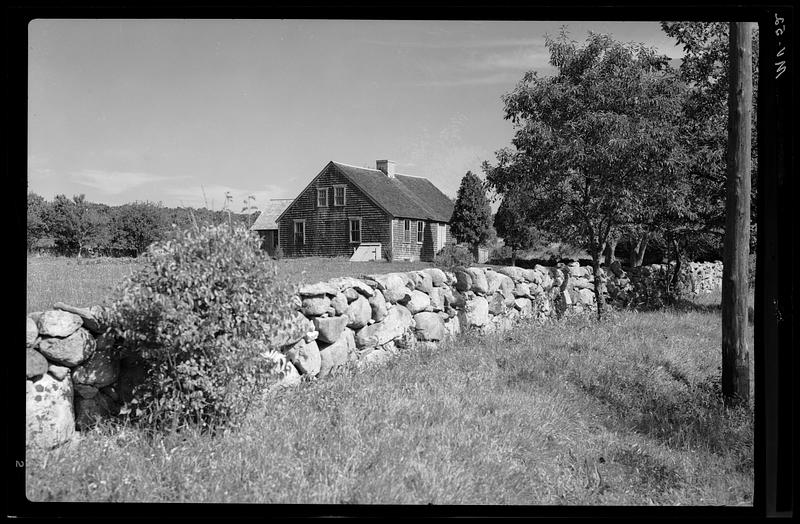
(386, 214)
(266, 224)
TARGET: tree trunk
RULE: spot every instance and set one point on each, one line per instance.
(513, 257)
(598, 295)
(674, 281)
(638, 248)
(735, 354)
(611, 246)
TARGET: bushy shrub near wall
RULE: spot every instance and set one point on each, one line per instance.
(204, 317)
(453, 255)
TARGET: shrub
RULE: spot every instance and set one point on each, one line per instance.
(278, 253)
(205, 315)
(386, 251)
(453, 255)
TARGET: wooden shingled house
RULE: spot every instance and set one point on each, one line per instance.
(365, 214)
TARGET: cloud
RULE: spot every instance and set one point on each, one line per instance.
(116, 182)
(514, 59)
(463, 44)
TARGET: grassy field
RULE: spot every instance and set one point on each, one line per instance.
(626, 412)
(85, 282)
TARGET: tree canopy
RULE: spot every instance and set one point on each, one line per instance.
(596, 145)
(472, 215)
(511, 222)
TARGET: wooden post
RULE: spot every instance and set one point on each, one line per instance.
(735, 355)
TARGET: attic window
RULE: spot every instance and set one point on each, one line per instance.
(322, 197)
(338, 195)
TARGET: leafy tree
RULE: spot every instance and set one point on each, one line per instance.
(76, 224)
(512, 223)
(704, 118)
(472, 216)
(37, 222)
(136, 226)
(596, 144)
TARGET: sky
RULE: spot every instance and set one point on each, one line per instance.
(182, 112)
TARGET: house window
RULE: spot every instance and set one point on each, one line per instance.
(299, 232)
(338, 195)
(407, 231)
(322, 197)
(355, 230)
(420, 231)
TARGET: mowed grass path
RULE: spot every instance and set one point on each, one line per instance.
(86, 282)
(625, 412)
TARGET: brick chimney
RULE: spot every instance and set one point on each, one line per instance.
(387, 166)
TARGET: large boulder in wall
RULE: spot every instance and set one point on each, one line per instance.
(346, 283)
(31, 333)
(422, 281)
(463, 279)
(339, 303)
(305, 357)
(438, 277)
(437, 301)
(475, 313)
(429, 326)
(493, 279)
(57, 323)
(515, 273)
(318, 289)
(392, 326)
(377, 303)
(314, 306)
(330, 327)
(35, 363)
(91, 316)
(102, 368)
(358, 313)
(479, 283)
(419, 302)
(49, 416)
(335, 355)
(69, 351)
(397, 295)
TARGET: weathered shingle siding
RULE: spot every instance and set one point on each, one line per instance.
(328, 228)
(412, 250)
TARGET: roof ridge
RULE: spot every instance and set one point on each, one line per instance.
(357, 167)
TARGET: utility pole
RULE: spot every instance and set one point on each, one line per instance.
(736, 360)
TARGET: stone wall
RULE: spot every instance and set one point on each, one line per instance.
(75, 377)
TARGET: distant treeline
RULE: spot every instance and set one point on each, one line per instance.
(77, 227)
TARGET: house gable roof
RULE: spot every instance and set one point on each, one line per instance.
(402, 196)
(268, 219)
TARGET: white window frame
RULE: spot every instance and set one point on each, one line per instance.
(350, 229)
(344, 195)
(420, 231)
(294, 232)
(407, 230)
(319, 192)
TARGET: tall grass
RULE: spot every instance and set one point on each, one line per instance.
(625, 412)
(76, 281)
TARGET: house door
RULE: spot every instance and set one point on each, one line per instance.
(441, 235)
